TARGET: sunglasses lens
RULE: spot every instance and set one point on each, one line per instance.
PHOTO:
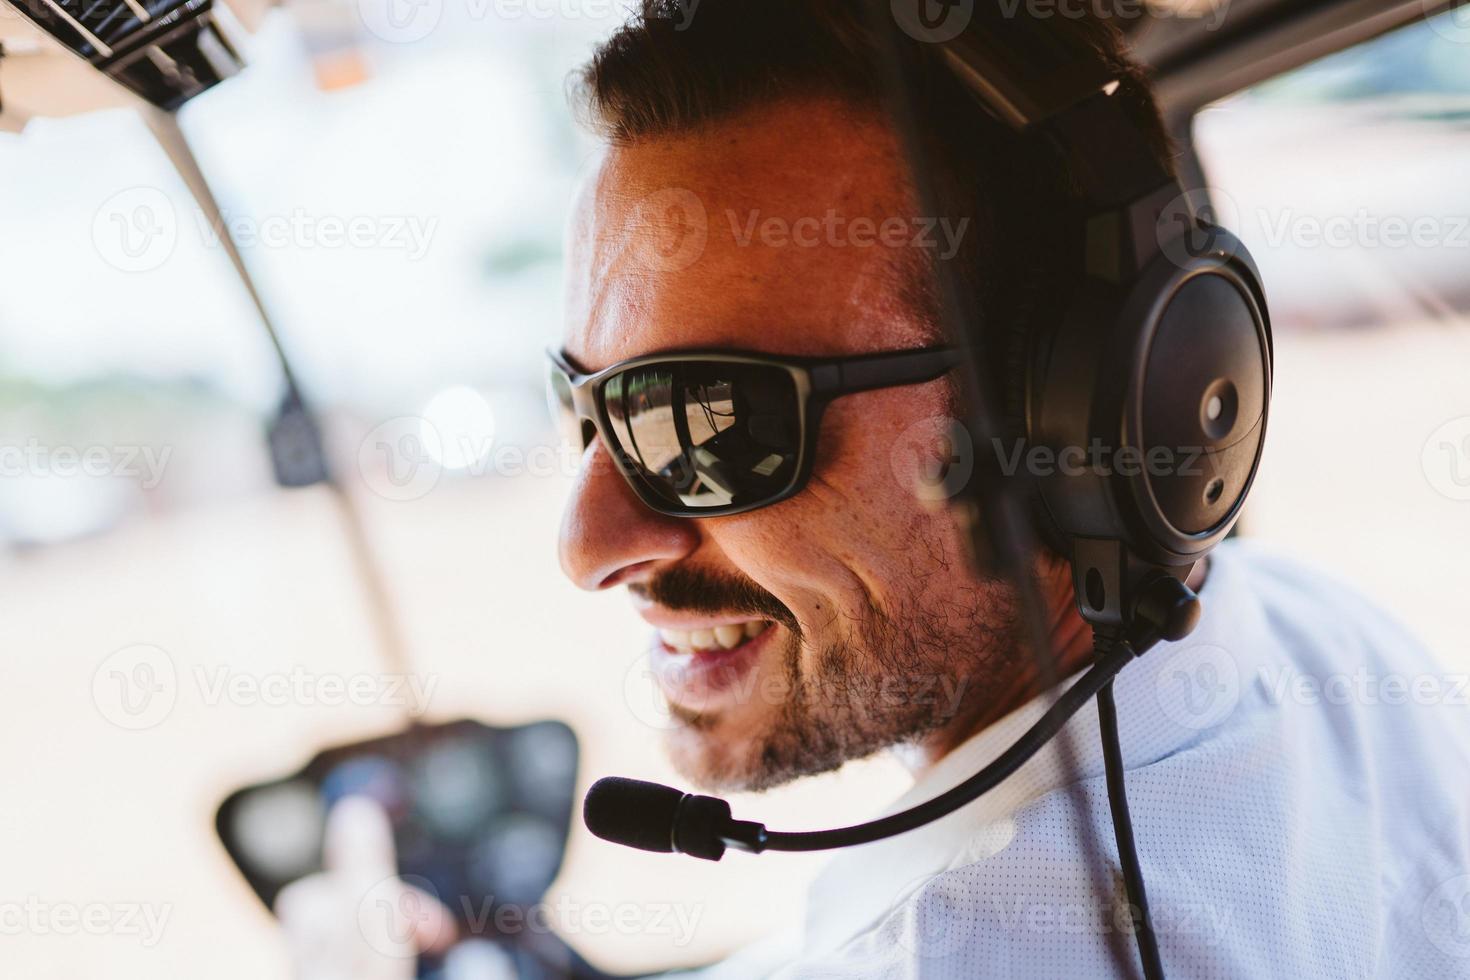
(706, 434)
(563, 410)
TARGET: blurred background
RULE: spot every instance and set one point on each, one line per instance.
(178, 624)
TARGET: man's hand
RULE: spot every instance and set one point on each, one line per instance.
(357, 920)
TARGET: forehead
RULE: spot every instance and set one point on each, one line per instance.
(788, 229)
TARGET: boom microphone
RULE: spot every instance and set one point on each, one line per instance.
(652, 817)
(633, 813)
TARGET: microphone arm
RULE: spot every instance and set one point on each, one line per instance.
(1062, 709)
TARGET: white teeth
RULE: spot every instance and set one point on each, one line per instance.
(726, 637)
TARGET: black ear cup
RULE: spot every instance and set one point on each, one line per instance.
(1146, 416)
(1201, 408)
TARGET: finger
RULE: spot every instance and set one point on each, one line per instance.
(358, 840)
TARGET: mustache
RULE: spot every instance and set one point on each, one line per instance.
(695, 590)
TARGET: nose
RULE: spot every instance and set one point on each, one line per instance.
(610, 537)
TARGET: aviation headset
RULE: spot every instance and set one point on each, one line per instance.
(1163, 348)
(1150, 390)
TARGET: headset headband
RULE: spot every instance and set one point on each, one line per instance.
(1048, 78)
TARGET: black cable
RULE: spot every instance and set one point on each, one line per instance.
(1143, 925)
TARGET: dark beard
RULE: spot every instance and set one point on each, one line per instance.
(887, 686)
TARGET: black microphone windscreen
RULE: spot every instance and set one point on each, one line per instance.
(632, 812)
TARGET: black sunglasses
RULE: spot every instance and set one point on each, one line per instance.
(706, 433)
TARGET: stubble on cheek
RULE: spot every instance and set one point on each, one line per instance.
(845, 696)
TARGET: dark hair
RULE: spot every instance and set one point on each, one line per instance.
(671, 70)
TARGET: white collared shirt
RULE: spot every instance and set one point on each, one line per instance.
(1298, 774)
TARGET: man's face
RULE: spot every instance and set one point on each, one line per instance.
(843, 620)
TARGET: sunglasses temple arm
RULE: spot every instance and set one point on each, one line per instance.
(852, 375)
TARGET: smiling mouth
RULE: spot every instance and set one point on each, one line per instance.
(713, 640)
(703, 670)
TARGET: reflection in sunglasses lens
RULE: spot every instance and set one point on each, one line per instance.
(707, 434)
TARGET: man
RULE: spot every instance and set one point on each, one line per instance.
(753, 197)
